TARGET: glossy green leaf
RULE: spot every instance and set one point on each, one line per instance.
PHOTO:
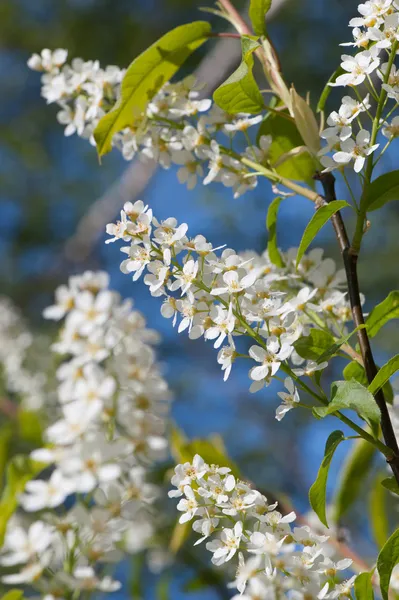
(20, 470)
(384, 374)
(351, 395)
(382, 313)
(328, 89)
(319, 219)
(240, 92)
(388, 558)
(146, 75)
(271, 224)
(391, 484)
(285, 138)
(355, 470)
(378, 511)
(382, 190)
(354, 370)
(314, 345)
(317, 493)
(364, 587)
(13, 595)
(257, 12)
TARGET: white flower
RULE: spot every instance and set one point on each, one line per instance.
(85, 578)
(389, 35)
(310, 368)
(243, 123)
(289, 400)
(48, 60)
(41, 494)
(391, 130)
(185, 278)
(270, 358)
(357, 151)
(64, 303)
(224, 548)
(233, 284)
(215, 162)
(22, 546)
(357, 67)
(223, 324)
(187, 505)
(118, 230)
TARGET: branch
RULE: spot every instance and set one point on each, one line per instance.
(350, 262)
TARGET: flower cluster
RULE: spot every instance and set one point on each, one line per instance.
(376, 37)
(112, 405)
(23, 363)
(275, 559)
(178, 127)
(220, 296)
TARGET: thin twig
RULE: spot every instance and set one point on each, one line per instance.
(350, 262)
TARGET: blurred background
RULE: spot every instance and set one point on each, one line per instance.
(53, 196)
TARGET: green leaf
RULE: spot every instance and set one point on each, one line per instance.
(387, 559)
(180, 533)
(382, 190)
(20, 470)
(146, 75)
(337, 345)
(356, 467)
(314, 345)
(257, 12)
(30, 427)
(328, 89)
(317, 493)
(391, 484)
(6, 434)
(320, 218)
(351, 395)
(13, 595)
(378, 511)
(382, 313)
(240, 92)
(384, 374)
(364, 587)
(354, 370)
(285, 138)
(271, 224)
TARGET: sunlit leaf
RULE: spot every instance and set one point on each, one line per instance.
(382, 190)
(319, 219)
(351, 395)
(146, 75)
(382, 313)
(285, 137)
(240, 92)
(314, 345)
(388, 558)
(20, 470)
(364, 587)
(257, 12)
(317, 493)
(384, 374)
(354, 370)
(271, 224)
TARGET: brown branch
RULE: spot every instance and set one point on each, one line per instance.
(350, 263)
